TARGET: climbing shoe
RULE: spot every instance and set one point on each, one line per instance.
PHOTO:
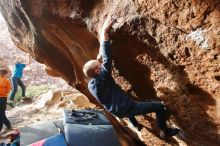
(26, 100)
(169, 132)
(6, 130)
(11, 103)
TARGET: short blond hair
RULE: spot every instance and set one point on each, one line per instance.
(89, 68)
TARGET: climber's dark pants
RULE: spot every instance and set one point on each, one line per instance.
(15, 83)
(3, 118)
(142, 108)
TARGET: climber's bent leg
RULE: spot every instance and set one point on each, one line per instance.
(142, 108)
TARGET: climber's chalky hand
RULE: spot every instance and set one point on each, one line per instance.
(106, 27)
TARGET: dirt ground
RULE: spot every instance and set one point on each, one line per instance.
(48, 106)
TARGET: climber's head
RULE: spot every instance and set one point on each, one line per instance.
(91, 68)
(3, 72)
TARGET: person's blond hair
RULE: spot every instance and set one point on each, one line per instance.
(89, 68)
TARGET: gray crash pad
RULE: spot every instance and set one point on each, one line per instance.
(36, 132)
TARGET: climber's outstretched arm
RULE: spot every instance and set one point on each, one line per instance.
(104, 51)
(103, 34)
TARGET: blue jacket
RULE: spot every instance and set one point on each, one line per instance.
(104, 88)
(18, 71)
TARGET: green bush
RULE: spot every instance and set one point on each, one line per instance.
(32, 91)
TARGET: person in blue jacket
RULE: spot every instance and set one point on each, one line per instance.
(103, 87)
(16, 78)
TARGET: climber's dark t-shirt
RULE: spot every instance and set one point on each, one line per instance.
(104, 88)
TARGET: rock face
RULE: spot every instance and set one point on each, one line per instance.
(34, 74)
(167, 50)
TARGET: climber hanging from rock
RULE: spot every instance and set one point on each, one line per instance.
(103, 87)
(20, 64)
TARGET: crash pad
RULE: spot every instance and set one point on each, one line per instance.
(37, 132)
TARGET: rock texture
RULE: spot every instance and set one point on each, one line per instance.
(34, 74)
(167, 50)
